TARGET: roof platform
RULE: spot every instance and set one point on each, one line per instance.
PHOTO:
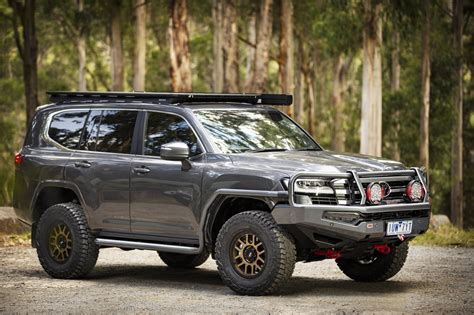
(62, 97)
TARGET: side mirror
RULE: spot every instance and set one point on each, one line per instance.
(174, 151)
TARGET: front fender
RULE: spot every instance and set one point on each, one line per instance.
(212, 207)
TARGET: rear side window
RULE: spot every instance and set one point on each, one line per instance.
(109, 131)
(89, 137)
(66, 128)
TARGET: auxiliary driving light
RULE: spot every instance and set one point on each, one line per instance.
(415, 191)
(375, 193)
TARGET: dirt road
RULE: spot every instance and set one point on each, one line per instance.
(433, 280)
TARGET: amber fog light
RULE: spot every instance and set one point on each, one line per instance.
(375, 193)
(415, 191)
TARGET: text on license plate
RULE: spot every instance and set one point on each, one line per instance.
(399, 227)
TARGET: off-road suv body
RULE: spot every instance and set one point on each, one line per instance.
(190, 175)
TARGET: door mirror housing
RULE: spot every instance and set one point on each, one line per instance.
(174, 151)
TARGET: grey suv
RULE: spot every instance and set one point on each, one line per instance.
(193, 175)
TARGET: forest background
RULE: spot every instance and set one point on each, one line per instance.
(379, 77)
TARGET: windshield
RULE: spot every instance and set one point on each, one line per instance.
(236, 131)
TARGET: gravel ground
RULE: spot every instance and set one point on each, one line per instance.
(438, 280)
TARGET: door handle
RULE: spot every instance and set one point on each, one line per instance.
(141, 170)
(83, 164)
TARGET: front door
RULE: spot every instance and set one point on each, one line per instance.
(165, 199)
(101, 168)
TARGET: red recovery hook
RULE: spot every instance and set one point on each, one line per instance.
(383, 249)
(329, 253)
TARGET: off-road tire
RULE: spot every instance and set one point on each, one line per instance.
(279, 248)
(182, 261)
(381, 269)
(84, 252)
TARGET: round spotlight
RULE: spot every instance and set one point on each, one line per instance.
(415, 191)
(375, 193)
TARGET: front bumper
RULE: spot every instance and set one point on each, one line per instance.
(307, 223)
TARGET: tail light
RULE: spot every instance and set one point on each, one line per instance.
(18, 158)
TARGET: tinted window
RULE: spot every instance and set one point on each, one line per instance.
(89, 137)
(165, 128)
(109, 131)
(235, 131)
(66, 128)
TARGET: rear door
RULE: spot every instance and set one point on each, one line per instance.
(165, 199)
(101, 167)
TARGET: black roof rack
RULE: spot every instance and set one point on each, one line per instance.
(169, 98)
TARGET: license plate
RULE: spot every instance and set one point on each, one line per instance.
(399, 227)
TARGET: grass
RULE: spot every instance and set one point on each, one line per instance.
(446, 235)
(23, 239)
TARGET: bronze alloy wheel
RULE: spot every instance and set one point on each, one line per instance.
(60, 243)
(248, 255)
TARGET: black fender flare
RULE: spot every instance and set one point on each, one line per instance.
(211, 209)
(58, 184)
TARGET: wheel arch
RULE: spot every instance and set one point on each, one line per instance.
(226, 206)
(49, 193)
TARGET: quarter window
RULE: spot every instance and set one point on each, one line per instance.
(66, 128)
(164, 128)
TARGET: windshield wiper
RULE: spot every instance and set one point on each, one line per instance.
(266, 150)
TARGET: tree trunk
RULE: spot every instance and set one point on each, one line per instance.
(139, 67)
(81, 49)
(395, 87)
(262, 51)
(341, 68)
(179, 47)
(425, 89)
(299, 84)
(457, 146)
(286, 56)
(309, 76)
(230, 48)
(250, 66)
(28, 51)
(217, 47)
(371, 122)
(116, 46)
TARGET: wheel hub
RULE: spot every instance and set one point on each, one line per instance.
(248, 255)
(60, 243)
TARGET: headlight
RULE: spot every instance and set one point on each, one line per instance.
(313, 186)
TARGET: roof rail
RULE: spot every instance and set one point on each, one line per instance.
(170, 98)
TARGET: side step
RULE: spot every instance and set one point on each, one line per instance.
(147, 246)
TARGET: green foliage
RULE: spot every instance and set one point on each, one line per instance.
(326, 29)
(446, 235)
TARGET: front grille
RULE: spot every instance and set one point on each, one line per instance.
(346, 191)
(398, 186)
(324, 200)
